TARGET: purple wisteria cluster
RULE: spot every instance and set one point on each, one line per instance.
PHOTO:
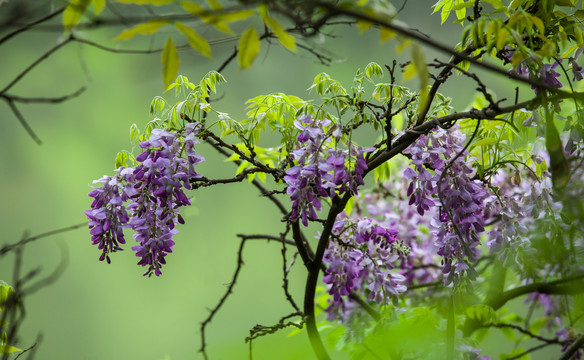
(440, 178)
(390, 206)
(323, 169)
(153, 192)
(546, 73)
(359, 260)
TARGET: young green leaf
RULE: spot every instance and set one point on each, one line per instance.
(249, 48)
(196, 41)
(73, 12)
(284, 38)
(208, 17)
(169, 62)
(98, 6)
(149, 27)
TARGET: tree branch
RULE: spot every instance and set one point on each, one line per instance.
(29, 25)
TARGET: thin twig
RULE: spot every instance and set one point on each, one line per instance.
(23, 121)
(27, 239)
(36, 62)
(29, 25)
(46, 100)
(229, 290)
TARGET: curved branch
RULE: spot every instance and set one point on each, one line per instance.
(572, 349)
(23, 121)
(335, 11)
(46, 100)
(214, 311)
(29, 25)
(28, 239)
(36, 62)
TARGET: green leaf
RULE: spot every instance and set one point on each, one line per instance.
(284, 38)
(144, 2)
(208, 17)
(515, 4)
(486, 141)
(484, 314)
(122, 159)
(514, 354)
(5, 291)
(98, 6)
(149, 27)
(249, 48)
(169, 63)
(373, 69)
(196, 41)
(538, 325)
(508, 332)
(7, 349)
(73, 12)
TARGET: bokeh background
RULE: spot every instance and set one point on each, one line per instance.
(99, 311)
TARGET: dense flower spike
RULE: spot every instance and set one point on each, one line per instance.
(438, 181)
(154, 190)
(322, 169)
(359, 259)
(107, 215)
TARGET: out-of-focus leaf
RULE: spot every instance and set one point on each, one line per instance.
(7, 349)
(98, 6)
(149, 27)
(5, 292)
(484, 314)
(144, 2)
(284, 38)
(196, 41)
(208, 17)
(169, 62)
(73, 12)
(485, 142)
(249, 48)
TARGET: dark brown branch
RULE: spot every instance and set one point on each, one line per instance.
(573, 349)
(535, 348)
(255, 183)
(46, 100)
(260, 330)
(29, 25)
(286, 269)
(204, 181)
(214, 311)
(118, 51)
(35, 63)
(523, 331)
(335, 11)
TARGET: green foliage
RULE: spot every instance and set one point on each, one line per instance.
(149, 27)
(170, 62)
(249, 47)
(196, 41)
(73, 12)
(6, 294)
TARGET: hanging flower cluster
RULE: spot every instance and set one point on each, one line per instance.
(359, 259)
(323, 170)
(153, 192)
(443, 179)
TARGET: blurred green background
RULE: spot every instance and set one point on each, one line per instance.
(100, 311)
